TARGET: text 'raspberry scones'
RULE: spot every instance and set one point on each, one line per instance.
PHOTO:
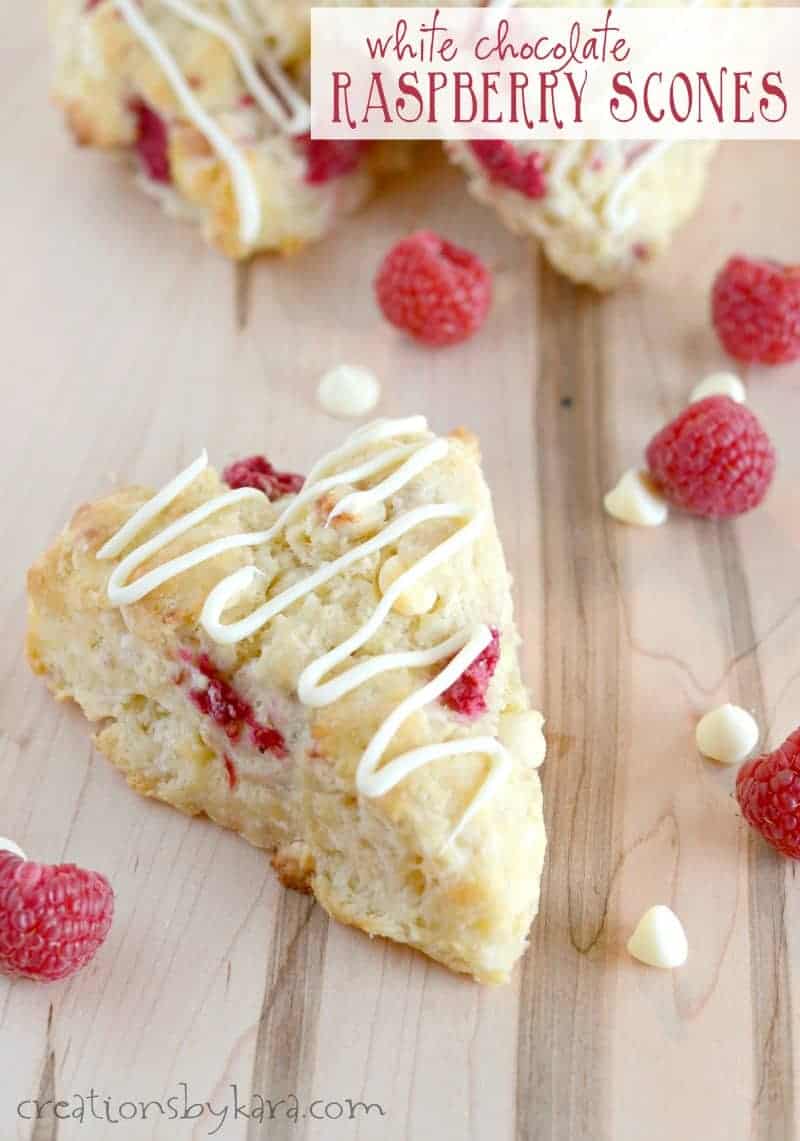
(328, 668)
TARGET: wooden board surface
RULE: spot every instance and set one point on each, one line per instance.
(127, 346)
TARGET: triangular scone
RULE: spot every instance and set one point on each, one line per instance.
(218, 128)
(401, 790)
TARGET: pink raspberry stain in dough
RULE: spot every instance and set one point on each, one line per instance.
(258, 472)
(508, 166)
(327, 159)
(230, 772)
(221, 702)
(152, 142)
(467, 696)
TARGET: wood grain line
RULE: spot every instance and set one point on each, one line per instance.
(773, 1108)
(565, 1000)
(46, 1127)
(242, 293)
(287, 1031)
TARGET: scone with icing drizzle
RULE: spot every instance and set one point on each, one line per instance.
(288, 22)
(602, 211)
(330, 669)
(218, 127)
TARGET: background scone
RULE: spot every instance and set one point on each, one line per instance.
(218, 126)
(602, 211)
(288, 22)
(208, 701)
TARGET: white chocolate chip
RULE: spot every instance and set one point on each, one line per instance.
(659, 939)
(522, 735)
(10, 846)
(418, 599)
(727, 734)
(719, 384)
(348, 392)
(637, 500)
(363, 519)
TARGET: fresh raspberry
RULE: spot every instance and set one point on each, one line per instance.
(768, 791)
(714, 459)
(152, 141)
(52, 919)
(327, 159)
(437, 292)
(505, 164)
(258, 472)
(755, 307)
(468, 695)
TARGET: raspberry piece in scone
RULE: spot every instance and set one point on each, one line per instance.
(152, 142)
(508, 166)
(258, 472)
(467, 696)
(327, 159)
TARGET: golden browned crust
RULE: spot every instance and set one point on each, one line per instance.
(294, 867)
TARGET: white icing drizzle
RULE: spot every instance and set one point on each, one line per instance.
(244, 183)
(288, 109)
(240, 14)
(613, 213)
(566, 157)
(292, 123)
(300, 108)
(407, 461)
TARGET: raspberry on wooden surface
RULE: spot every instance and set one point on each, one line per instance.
(768, 791)
(437, 292)
(53, 918)
(755, 307)
(714, 459)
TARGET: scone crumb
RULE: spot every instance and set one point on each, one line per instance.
(294, 866)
